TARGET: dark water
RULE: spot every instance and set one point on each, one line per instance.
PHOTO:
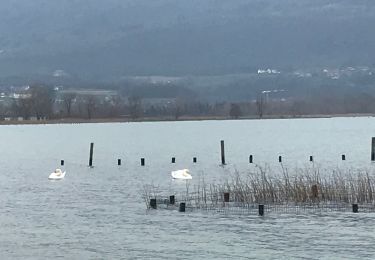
(99, 213)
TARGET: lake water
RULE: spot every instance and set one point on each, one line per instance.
(99, 213)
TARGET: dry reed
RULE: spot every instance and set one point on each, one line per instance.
(304, 187)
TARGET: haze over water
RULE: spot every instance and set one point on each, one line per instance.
(99, 212)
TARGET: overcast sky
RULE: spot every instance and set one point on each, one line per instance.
(172, 37)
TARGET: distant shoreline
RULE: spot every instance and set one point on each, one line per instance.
(167, 119)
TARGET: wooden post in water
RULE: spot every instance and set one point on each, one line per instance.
(373, 149)
(173, 159)
(311, 158)
(142, 161)
(222, 152)
(343, 157)
(226, 196)
(251, 159)
(153, 203)
(91, 154)
(261, 210)
(280, 159)
(194, 159)
(172, 200)
(355, 208)
(182, 207)
(62, 162)
(119, 162)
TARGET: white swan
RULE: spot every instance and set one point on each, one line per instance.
(57, 175)
(181, 174)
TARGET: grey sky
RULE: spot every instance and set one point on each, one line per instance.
(169, 37)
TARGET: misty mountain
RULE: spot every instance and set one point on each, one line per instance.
(95, 39)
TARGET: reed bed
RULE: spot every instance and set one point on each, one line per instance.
(306, 188)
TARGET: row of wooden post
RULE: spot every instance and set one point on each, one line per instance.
(223, 162)
(119, 161)
(260, 206)
(182, 206)
(172, 201)
(251, 158)
(143, 161)
(314, 189)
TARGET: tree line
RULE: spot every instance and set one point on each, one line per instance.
(44, 103)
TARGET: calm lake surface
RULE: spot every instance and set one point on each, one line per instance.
(99, 213)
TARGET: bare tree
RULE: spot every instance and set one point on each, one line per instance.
(135, 107)
(235, 111)
(91, 105)
(42, 99)
(22, 107)
(178, 108)
(116, 106)
(68, 99)
(261, 105)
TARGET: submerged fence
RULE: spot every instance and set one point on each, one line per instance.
(258, 192)
(184, 205)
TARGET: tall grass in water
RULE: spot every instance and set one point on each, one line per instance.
(303, 187)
